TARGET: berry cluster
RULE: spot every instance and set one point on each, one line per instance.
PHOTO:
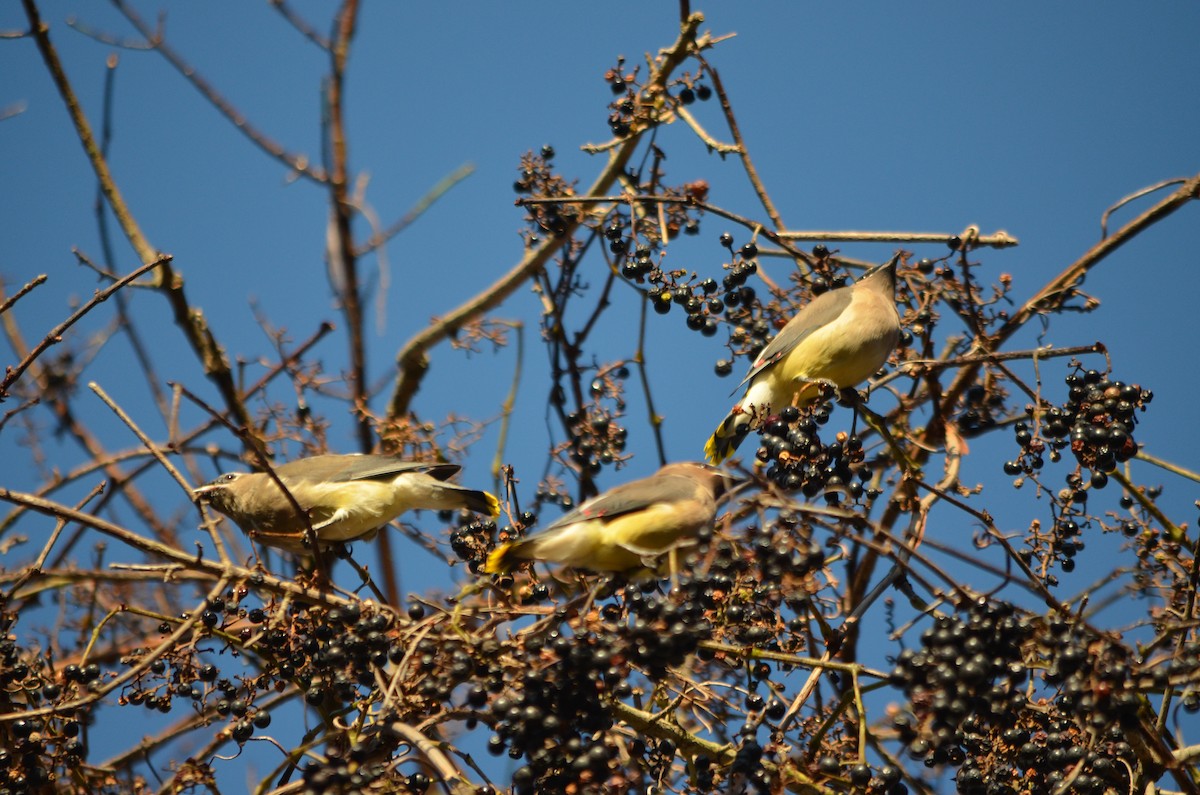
(636, 243)
(701, 311)
(1093, 674)
(37, 751)
(1097, 422)
(472, 542)
(979, 405)
(799, 461)
(331, 655)
(731, 592)
(626, 112)
(622, 109)
(558, 708)
(538, 179)
(784, 553)
(596, 438)
(968, 667)
(750, 331)
(1038, 753)
(885, 781)
(967, 689)
(703, 301)
(338, 773)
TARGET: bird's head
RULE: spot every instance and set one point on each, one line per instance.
(715, 479)
(887, 270)
(223, 493)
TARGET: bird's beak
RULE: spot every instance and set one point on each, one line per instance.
(885, 266)
(202, 492)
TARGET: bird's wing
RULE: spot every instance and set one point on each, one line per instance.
(337, 468)
(631, 497)
(821, 311)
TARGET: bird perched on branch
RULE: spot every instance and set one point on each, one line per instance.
(839, 338)
(343, 497)
(627, 526)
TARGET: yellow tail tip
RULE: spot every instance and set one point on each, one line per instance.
(712, 453)
(493, 504)
(498, 561)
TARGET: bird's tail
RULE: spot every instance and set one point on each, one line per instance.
(727, 436)
(504, 558)
(480, 502)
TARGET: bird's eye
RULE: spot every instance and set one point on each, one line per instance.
(232, 476)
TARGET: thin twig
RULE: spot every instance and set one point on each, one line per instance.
(297, 163)
(55, 335)
(639, 359)
(130, 673)
(1174, 469)
(1000, 239)
(19, 294)
(743, 151)
(1133, 197)
(162, 460)
(443, 186)
(510, 400)
(299, 23)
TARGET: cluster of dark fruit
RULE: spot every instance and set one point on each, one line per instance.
(887, 780)
(557, 715)
(783, 552)
(625, 111)
(701, 307)
(472, 541)
(596, 438)
(750, 330)
(979, 410)
(202, 687)
(538, 179)
(1039, 752)
(621, 116)
(331, 655)
(475, 538)
(967, 667)
(335, 775)
(554, 493)
(186, 677)
(38, 750)
(705, 301)
(744, 587)
(725, 591)
(1094, 676)
(636, 246)
(362, 767)
(799, 461)
(34, 752)
(1066, 541)
(1097, 422)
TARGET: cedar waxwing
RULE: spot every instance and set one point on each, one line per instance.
(623, 527)
(840, 337)
(346, 497)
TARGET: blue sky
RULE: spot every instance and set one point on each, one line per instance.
(1028, 117)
